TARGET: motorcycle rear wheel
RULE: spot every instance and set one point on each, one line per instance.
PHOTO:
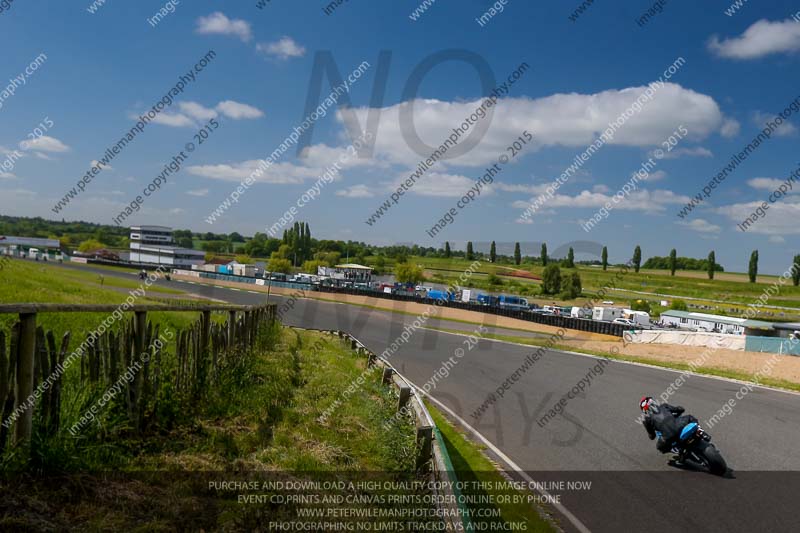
(714, 461)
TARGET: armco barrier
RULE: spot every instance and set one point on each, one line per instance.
(432, 456)
(567, 322)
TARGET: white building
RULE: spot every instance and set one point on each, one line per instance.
(719, 323)
(606, 314)
(154, 244)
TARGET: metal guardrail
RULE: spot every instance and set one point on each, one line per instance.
(432, 453)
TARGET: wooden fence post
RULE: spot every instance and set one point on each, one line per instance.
(27, 351)
(205, 320)
(231, 328)
(139, 333)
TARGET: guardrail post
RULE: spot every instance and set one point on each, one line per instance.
(405, 395)
(387, 375)
(26, 353)
(424, 447)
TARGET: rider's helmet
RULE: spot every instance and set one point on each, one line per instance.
(644, 403)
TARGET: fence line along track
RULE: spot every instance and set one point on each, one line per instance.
(432, 456)
(32, 365)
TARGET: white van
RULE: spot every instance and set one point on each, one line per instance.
(33, 253)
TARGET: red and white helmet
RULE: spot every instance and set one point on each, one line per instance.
(645, 402)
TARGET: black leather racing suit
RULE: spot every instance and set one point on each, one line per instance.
(666, 422)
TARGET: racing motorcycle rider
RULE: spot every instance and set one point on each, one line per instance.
(664, 421)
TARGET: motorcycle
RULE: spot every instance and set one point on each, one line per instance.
(695, 445)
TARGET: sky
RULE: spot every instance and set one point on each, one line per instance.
(694, 80)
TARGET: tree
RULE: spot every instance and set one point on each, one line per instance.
(379, 265)
(673, 261)
(637, 258)
(277, 264)
(494, 279)
(551, 279)
(493, 252)
(517, 254)
(312, 266)
(219, 247)
(235, 237)
(678, 305)
(90, 245)
(544, 254)
(604, 258)
(571, 286)
(752, 270)
(185, 242)
(447, 252)
(712, 261)
(244, 259)
(284, 251)
(640, 305)
(470, 252)
(570, 258)
(796, 271)
(408, 273)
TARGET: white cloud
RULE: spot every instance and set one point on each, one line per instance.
(356, 191)
(658, 175)
(686, 152)
(9, 151)
(236, 110)
(42, 155)
(761, 39)
(97, 163)
(174, 120)
(777, 239)
(765, 184)
(600, 188)
(197, 111)
(44, 144)
(7, 175)
(780, 218)
(198, 192)
(193, 111)
(784, 130)
(573, 120)
(643, 200)
(518, 187)
(701, 226)
(281, 173)
(524, 221)
(218, 24)
(730, 128)
(284, 48)
(445, 185)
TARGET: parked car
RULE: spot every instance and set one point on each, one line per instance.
(623, 321)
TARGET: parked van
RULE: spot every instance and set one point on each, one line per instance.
(512, 302)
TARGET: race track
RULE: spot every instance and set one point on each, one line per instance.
(597, 438)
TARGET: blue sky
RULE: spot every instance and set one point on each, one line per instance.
(103, 68)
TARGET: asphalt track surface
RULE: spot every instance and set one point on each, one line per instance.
(597, 438)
